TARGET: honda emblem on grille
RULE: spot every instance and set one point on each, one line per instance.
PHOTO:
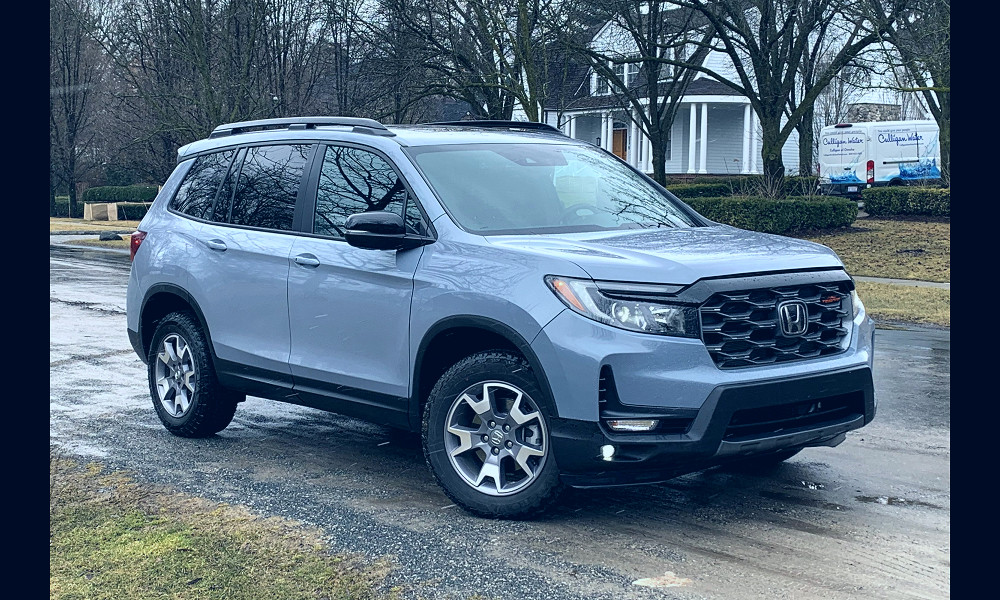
(793, 317)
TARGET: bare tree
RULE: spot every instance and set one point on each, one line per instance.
(73, 72)
(766, 41)
(659, 45)
(922, 39)
(488, 53)
(187, 65)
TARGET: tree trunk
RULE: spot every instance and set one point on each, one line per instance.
(72, 199)
(52, 196)
(657, 142)
(805, 129)
(944, 138)
(770, 153)
(71, 178)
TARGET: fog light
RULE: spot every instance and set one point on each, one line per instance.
(607, 452)
(633, 424)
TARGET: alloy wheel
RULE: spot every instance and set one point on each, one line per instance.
(495, 438)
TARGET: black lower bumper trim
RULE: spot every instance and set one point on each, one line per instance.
(649, 458)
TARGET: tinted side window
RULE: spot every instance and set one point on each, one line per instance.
(224, 199)
(197, 192)
(268, 185)
(354, 181)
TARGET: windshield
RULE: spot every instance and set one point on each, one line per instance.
(542, 188)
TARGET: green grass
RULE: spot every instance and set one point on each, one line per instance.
(112, 539)
(906, 303)
(911, 248)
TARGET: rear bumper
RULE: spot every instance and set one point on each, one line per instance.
(779, 414)
(850, 190)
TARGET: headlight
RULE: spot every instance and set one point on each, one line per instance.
(856, 303)
(619, 310)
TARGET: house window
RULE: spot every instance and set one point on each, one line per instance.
(633, 72)
(602, 85)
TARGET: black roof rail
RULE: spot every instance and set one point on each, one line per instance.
(360, 125)
(491, 124)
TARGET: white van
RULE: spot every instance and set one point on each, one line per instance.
(855, 156)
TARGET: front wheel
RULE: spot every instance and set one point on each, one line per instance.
(486, 438)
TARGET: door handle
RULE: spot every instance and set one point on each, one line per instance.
(216, 245)
(307, 260)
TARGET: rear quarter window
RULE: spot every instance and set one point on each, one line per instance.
(197, 192)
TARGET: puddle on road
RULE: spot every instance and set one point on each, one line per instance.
(668, 579)
(893, 501)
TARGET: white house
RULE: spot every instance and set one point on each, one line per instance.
(716, 131)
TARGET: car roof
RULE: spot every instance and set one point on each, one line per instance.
(402, 135)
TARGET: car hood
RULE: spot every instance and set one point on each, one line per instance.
(679, 256)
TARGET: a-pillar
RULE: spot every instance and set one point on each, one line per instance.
(692, 137)
(703, 160)
(745, 166)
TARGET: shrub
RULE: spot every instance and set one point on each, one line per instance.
(778, 216)
(746, 185)
(124, 193)
(62, 208)
(886, 201)
(701, 190)
(132, 211)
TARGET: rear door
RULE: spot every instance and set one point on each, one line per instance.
(842, 155)
(349, 308)
(242, 278)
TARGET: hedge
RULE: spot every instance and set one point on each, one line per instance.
(886, 201)
(778, 216)
(124, 193)
(702, 190)
(62, 208)
(747, 185)
(132, 211)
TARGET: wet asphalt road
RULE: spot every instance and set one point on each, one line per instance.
(868, 519)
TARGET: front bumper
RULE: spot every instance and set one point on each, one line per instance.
(786, 413)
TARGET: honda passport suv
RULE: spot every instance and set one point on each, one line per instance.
(541, 312)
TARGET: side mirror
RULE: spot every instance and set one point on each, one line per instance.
(379, 230)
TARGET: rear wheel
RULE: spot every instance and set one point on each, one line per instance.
(486, 438)
(186, 394)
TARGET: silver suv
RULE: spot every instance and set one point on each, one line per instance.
(542, 313)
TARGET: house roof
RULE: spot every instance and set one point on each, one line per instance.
(699, 87)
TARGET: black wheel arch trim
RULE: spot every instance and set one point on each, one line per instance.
(476, 322)
(174, 290)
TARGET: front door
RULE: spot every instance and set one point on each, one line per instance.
(618, 143)
(349, 308)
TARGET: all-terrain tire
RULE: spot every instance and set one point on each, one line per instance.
(502, 373)
(194, 403)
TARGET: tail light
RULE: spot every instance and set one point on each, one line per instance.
(134, 243)
(871, 171)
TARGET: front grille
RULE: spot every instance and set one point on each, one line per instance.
(768, 420)
(740, 328)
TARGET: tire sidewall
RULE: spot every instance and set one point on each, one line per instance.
(479, 368)
(182, 326)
